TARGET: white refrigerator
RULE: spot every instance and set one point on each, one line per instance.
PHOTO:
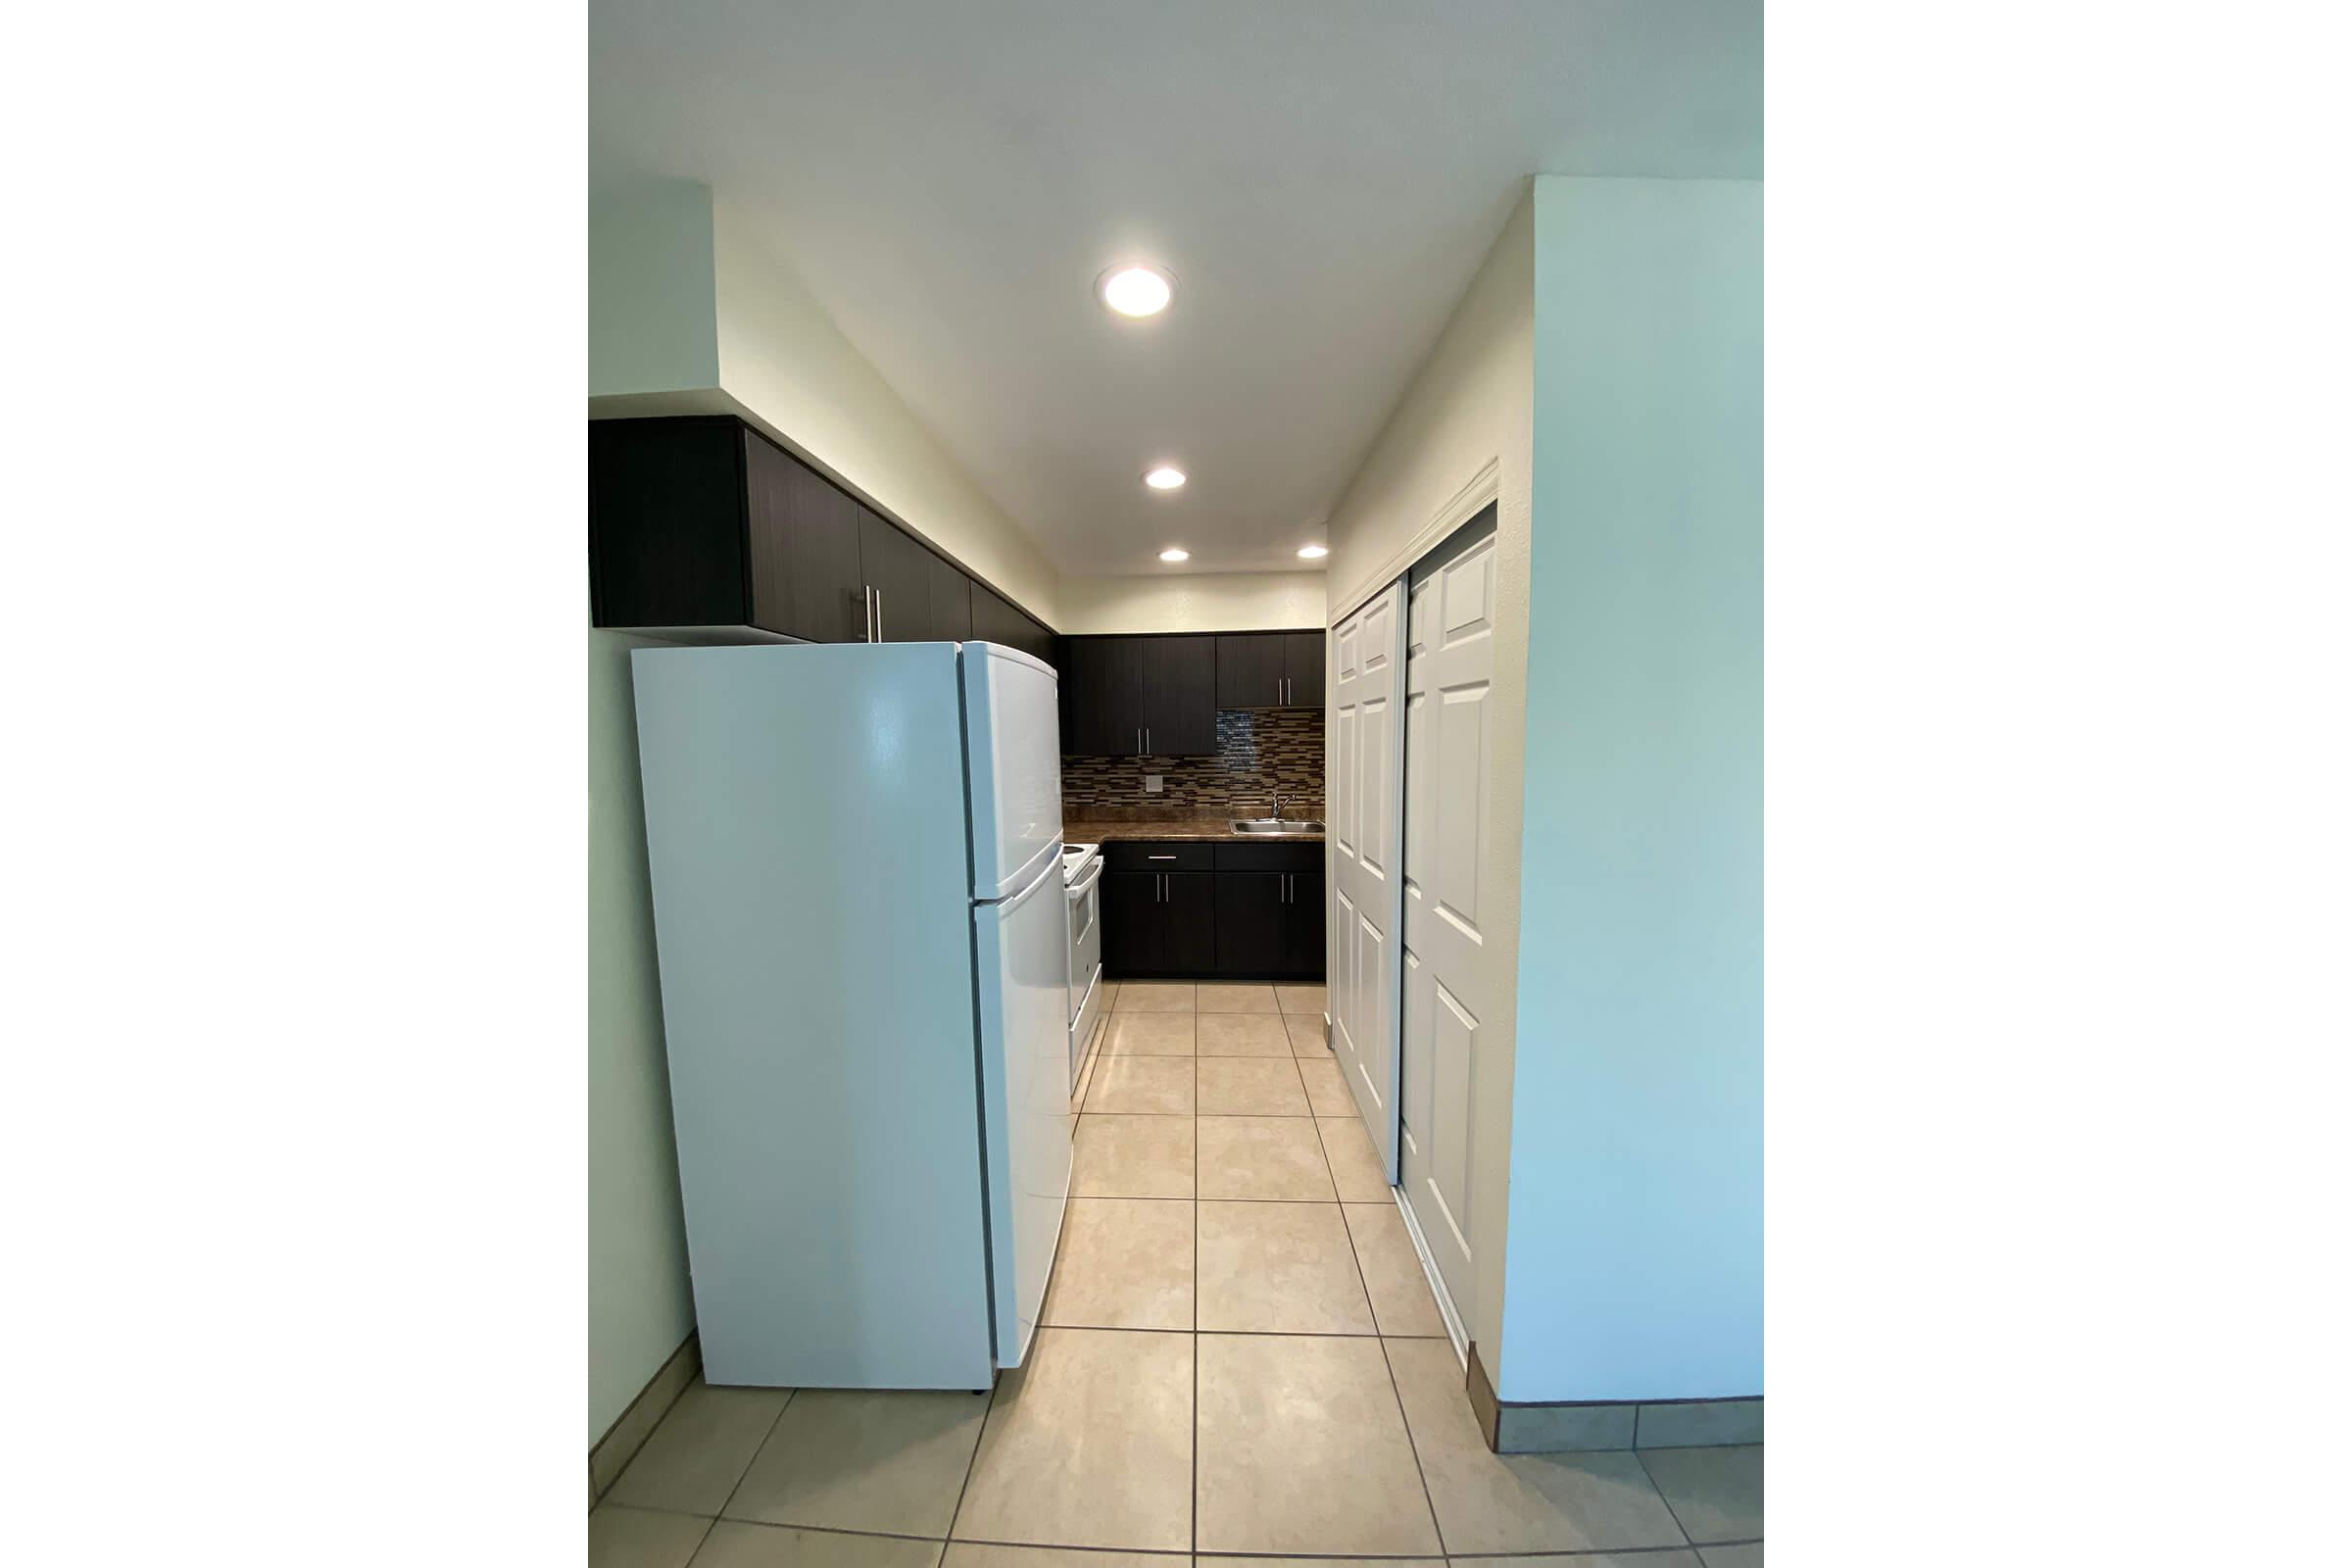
(856, 854)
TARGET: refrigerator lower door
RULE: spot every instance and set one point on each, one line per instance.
(1023, 963)
(1013, 764)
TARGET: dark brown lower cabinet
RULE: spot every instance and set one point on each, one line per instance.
(1243, 911)
(1159, 922)
(1270, 924)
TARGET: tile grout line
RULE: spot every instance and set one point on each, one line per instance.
(1671, 1512)
(1411, 1445)
(1171, 1552)
(1428, 1500)
(1195, 1347)
(761, 1448)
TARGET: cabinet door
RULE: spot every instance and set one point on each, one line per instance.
(1180, 695)
(1189, 922)
(665, 523)
(1249, 670)
(1132, 924)
(1302, 667)
(1302, 922)
(803, 535)
(1253, 928)
(995, 620)
(950, 601)
(1105, 697)
(897, 576)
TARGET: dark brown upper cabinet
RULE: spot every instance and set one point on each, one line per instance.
(803, 540)
(897, 582)
(1270, 669)
(997, 620)
(951, 595)
(1180, 695)
(1102, 684)
(1303, 668)
(703, 523)
(1139, 696)
(1249, 670)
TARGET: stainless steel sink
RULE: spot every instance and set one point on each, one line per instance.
(1270, 825)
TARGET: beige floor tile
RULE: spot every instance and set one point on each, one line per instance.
(1301, 999)
(1124, 1263)
(863, 1459)
(1132, 1156)
(1333, 1562)
(638, 1537)
(972, 1554)
(740, 1545)
(1354, 1165)
(1249, 1086)
(1750, 1555)
(1270, 1158)
(1490, 1502)
(1236, 998)
(1279, 1268)
(1307, 1037)
(1143, 1085)
(1110, 994)
(1718, 1493)
(1239, 1033)
(1325, 1091)
(1148, 1033)
(1601, 1560)
(1401, 1302)
(1089, 1443)
(1301, 1450)
(1156, 996)
(700, 1450)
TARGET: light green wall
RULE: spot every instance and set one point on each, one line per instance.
(653, 315)
(640, 1305)
(1636, 1256)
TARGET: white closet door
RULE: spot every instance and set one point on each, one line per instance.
(1367, 766)
(1449, 666)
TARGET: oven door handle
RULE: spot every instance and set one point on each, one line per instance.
(1080, 889)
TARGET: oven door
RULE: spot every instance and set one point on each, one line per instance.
(1085, 961)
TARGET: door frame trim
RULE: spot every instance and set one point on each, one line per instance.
(1456, 510)
(1482, 490)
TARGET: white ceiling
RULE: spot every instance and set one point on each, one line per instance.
(1322, 176)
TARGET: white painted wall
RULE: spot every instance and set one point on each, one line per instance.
(694, 313)
(1636, 1261)
(639, 1304)
(784, 361)
(1271, 601)
(1461, 435)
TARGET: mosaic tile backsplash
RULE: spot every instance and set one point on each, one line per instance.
(1259, 749)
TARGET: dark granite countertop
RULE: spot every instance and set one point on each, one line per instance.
(1188, 829)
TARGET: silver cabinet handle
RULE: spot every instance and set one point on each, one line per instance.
(1159, 857)
(1147, 741)
(877, 615)
(1138, 742)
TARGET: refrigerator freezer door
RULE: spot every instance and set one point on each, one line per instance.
(1012, 724)
(1022, 944)
(805, 827)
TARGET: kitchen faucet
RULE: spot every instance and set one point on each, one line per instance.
(1276, 805)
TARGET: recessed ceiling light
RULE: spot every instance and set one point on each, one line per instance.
(1312, 552)
(1135, 290)
(1164, 477)
(1174, 553)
